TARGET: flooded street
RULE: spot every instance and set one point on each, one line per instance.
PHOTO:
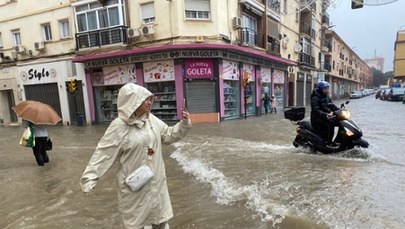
(236, 174)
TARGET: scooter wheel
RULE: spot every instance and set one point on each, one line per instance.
(295, 144)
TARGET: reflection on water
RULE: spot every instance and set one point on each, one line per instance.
(237, 174)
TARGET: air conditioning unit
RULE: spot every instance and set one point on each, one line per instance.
(133, 33)
(148, 30)
(39, 45)
(237, 22)
(19, 49)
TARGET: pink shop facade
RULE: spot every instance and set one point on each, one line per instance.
(208, 77)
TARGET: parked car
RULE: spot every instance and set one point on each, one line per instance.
(396, 94)
(384, 95)
(356, 95)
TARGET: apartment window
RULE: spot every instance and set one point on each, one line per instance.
(148, 13)
(249, 25)
(94, 16)
(333, 65)
(46, 32)
(285, 6)
(16, 37)
(197, 9)
(64, 30)
(1, 41)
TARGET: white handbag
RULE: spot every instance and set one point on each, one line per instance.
(138, 178)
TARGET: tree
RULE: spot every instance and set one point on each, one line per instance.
(381, 78)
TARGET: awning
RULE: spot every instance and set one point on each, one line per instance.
(220, 47)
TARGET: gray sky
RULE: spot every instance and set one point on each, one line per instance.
(369, 28)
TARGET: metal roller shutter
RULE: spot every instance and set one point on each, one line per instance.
(78, 96)
(201, 96)
(300, 93)
(46, 93)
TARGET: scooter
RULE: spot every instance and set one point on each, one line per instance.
(349, 135)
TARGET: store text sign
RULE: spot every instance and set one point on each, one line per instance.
(199, 68)
(37, 74)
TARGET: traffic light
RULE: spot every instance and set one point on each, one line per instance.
(245, 79)
(357, 4)
(72, 86)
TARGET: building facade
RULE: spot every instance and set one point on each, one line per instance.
(399, 59)
(345, 70)
(376, 62)
(192, 49)
(36, 50)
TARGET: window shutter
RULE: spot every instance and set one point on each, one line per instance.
(148, 10)
(273, 28)
(197, 5)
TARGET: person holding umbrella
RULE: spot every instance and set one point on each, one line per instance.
(36, 116)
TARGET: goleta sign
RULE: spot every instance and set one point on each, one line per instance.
(199, 68)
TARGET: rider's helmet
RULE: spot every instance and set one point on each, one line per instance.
(322, 85)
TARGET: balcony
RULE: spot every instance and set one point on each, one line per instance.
(305, 28)
(325, 20)
(307, 59)
(273, 46)
(102, 37)
(327, 66)
(251, 37)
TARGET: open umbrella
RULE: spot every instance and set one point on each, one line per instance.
(37, 113)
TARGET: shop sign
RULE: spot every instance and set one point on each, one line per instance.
(265, 74)
(230, 70)
(250, 69)
(154, 57)
(158, 71)
(119, 75)
(38, 74)
(278, 77)
(199, 68)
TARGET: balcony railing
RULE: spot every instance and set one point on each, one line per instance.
(307, 29)
(101, 37)
(251, 37)
(326, 19)
(273, 46)
(307, 59)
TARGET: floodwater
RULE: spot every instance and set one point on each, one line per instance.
(237, 174)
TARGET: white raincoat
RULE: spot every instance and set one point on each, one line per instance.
(127, 140)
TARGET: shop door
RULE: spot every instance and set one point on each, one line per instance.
(11, 103)
(290, 94)
(300, 93)
(308, 93)
(76, 103)
(201, 96)
(46, 93)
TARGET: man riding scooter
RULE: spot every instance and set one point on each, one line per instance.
(322, 116)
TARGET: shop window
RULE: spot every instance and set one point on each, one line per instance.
(197, 9)
(64, 31)
(164, 104)
(148, 13)
(46, 32)
(16, 37)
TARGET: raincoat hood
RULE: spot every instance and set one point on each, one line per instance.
(130, 97)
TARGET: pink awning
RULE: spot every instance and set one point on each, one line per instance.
(221, 47)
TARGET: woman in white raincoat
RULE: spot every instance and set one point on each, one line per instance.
(128, 139)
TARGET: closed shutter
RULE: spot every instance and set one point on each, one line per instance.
(148, 10)
(201, 96)
(308, 92)
(197, 5)
(300, 93)
(273, 28)
(46, 93)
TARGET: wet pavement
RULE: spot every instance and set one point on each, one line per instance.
(236, 174)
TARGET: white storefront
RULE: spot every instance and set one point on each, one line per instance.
(46, 82)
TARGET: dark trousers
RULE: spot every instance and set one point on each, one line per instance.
(325, 128)
(40, 151)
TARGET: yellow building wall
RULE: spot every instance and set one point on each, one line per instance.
(29, 21)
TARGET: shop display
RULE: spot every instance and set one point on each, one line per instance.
(231, 99)
(250, 98)
(279, 80)
(106, 101)
(164, 104)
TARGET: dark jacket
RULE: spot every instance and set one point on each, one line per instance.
(321, 106)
